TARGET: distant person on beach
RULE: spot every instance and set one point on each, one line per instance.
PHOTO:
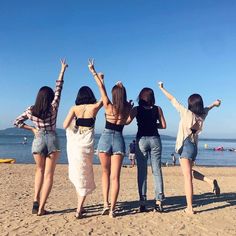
(111, 145)
(149, 118)
(45, 147)
(79, 125)
(132, 153)
(191, 123)
(173, 159)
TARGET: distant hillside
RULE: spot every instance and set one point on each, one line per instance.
(60, 132)
(23, 132)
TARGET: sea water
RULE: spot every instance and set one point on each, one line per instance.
(14, 146)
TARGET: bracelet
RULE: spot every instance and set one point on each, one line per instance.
(95, 74)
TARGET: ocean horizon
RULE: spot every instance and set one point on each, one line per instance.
(13, 145)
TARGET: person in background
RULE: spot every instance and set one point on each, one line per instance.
(111, 145)
(132, 156)
(149, 118)
(45, 147)
(190, 125)
(173, 159)
(79, 125)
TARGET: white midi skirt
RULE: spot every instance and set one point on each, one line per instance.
(80, 152)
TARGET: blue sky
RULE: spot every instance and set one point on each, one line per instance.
(190, 45)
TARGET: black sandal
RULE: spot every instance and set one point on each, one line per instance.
(35, 207)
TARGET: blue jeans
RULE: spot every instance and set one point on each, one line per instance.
(111, 142)
(45, 143)
(149, 146)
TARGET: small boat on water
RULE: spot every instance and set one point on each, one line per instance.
(7, 160)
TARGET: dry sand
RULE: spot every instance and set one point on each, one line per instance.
(216, 215)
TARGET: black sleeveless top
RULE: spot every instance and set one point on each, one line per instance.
(147, 121)
(115, 127)
(86, 122)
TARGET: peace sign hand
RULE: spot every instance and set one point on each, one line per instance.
(64, 65)
(91, 65)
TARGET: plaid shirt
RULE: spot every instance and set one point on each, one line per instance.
(48, 124)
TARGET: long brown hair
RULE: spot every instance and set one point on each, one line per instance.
(119, 98)
(195, 104)
(42, 106)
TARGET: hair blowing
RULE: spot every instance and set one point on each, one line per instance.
(42, 106)
(146, 97)
(119, 98)
(195, 104)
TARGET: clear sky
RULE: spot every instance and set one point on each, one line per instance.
(189, 45)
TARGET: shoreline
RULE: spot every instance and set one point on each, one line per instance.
(127, 165)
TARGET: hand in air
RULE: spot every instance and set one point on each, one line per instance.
(64, 65)
(217, 102)
(160, 84)
(91, 65)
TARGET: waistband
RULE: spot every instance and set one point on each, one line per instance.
(114, 127)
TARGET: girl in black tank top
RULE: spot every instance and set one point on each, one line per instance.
(147, 121)
(148, 145)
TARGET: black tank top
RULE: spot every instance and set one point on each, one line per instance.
(86, 122)
(147, 120)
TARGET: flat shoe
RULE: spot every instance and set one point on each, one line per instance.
(112, 214)
(35, 207)
(42, 213)
(158, 208)
(216, 188)
(105, 211)
(78, 215)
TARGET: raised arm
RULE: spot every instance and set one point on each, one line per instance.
(216, 103)
(99, 78)
(69, 118)
(166, 93)
(59, 84)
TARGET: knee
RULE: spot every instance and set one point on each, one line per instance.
(48, 176)
(40, 169)
(106, 172)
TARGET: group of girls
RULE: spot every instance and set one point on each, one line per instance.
(79, 125)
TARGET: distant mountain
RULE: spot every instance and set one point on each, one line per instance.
(23, 132)
(61, 132)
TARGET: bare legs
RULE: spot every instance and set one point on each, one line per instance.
(186, 166)
(211, 182)
(45, 168)
(111, 167)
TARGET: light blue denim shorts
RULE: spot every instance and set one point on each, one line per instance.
(45, 143)
(111, 142)
(188, 150)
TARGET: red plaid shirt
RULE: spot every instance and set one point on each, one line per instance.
(48, 124)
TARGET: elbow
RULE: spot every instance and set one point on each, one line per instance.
(65, 125)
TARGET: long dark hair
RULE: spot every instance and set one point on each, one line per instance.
(195, 104)
(85, 96)
(119, 98)
(146, 97)
(42, 106)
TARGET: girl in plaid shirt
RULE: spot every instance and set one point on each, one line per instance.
(45, 147)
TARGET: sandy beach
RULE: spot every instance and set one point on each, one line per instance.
(215, 215)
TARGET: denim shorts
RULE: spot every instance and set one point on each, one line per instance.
(45, 143)
(188, 150)
(111, 142)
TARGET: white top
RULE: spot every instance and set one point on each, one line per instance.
(188, 121)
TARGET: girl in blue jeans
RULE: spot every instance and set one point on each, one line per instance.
(149, 118)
